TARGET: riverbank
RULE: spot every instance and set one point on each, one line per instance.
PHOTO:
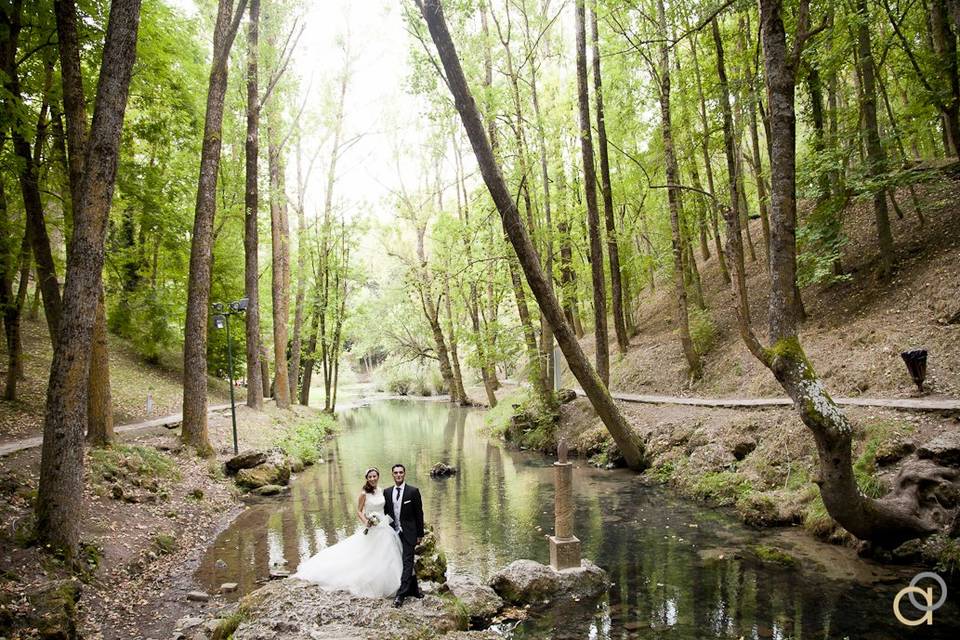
(758, 462)
(152, 507)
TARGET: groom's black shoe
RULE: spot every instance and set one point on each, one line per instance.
(398, 602)
(418, 595)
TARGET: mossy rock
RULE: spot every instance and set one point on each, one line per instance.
(262, 475)
(432, 568)
(772, 555)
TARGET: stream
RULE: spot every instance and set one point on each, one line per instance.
(680, 570)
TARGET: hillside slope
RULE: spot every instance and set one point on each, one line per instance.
(855, 329)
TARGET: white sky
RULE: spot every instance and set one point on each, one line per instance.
(376, 105)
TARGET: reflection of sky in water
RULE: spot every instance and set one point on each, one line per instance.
(679, 570)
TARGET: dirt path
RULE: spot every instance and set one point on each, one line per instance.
(169, 421)
(902, 404)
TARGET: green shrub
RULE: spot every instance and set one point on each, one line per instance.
(702, 330)
(400, 385)
(663, 472)
(305, 439)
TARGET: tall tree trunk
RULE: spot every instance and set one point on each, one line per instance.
(280, 236)
(945, 46)
(29, 165)
(251, 207)
(60, 491)
(12, 263)
(757, 164)
(296, 343)
(459, 391)
(627, 441)
(310, 359)
(99, 405)
(876, 159)
(705, 148)
(194, 430)
(613, 250)
(694, 367)
(99, 410)
(590, 191)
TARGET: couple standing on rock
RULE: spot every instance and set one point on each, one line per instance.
(376, 561)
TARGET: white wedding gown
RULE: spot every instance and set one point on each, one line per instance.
(364, 564)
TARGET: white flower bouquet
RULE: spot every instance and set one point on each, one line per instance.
(372, 521)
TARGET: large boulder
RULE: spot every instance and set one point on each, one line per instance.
(480, 602)
(528, 582)
(245, 460)
(264, 474)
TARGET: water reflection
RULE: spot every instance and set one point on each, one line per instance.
(679, 571)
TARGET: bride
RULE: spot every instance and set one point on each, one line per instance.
(369, 562)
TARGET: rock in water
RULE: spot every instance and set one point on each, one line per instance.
(245, 460)
(442, 470)
(276, 470)
(529, 582)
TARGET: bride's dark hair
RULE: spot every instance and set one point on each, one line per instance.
(367, 487)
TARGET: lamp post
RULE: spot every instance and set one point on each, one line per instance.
(221, 321)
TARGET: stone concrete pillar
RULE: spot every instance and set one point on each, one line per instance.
(564, 546)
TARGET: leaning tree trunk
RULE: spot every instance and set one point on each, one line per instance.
(613, 250)
(627, 440)
(694, 367)
(590, 192)
(194, 430)
(889, 521)
(60, 491)
(251, 206)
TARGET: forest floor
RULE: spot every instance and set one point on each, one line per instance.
(131, 380)
(151, 507)
(761, 461)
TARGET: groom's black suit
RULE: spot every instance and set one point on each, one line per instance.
(410, 528)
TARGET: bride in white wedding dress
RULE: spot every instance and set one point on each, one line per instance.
(369, 562)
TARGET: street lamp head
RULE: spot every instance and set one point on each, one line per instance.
(239, 306)
(218, 307)
(219, 321)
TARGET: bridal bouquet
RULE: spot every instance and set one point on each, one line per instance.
(372, 521)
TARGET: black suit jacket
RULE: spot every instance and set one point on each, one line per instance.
(411, 513)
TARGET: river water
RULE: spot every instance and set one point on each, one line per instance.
(680, 570)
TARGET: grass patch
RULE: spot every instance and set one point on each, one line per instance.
(226, 626)
(663, 472)
(305, 439)
(723, 488)
(132, 460)
(456, 609)
(164, 543)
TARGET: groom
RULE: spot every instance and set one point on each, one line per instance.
(404, 505)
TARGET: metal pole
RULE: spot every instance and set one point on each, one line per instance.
(233, 408)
